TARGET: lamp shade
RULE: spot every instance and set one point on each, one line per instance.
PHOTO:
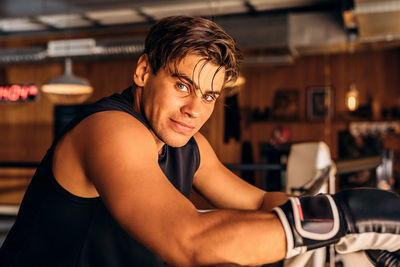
(67, 89)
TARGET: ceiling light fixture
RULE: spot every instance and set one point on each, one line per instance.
(20, 25)
(198, 8)
(116, 16)
(65, 21)
(67, 89)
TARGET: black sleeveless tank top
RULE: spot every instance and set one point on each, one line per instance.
(57, 228)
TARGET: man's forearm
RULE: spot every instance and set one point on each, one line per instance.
(272, 200)
(241, 237)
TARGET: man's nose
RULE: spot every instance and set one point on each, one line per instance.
(192, 107)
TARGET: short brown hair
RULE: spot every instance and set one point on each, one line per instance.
(172, 38)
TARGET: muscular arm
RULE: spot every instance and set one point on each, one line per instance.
(226, 190)
(120, 159)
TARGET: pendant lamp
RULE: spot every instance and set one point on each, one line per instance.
(67, 89)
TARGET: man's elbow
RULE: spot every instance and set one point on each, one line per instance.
(182, 252)
(182, 248)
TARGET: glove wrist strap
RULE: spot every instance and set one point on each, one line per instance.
(309, 223)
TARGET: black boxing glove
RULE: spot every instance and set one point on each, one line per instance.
(354, 220)
(383, 258)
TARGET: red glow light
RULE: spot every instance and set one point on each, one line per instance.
(18, 92)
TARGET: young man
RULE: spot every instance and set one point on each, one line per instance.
(113, 189)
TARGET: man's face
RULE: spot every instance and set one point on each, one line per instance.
(178, 104)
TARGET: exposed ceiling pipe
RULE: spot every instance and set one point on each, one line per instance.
(27, 55)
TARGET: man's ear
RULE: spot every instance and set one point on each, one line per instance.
(143, 69)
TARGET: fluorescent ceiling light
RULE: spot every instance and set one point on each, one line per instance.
(118, 16)
(62, 21)
(20, 24)
(205, 8)
(262, 5)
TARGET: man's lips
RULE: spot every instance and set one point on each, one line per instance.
(182, 127)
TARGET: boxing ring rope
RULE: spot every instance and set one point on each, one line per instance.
(355, 165)
(342, 166)
(19, 165)
(10, 211)
(253, 167)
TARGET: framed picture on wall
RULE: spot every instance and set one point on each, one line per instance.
(286, 104)
(319, 103)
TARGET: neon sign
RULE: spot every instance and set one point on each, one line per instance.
(18, 92)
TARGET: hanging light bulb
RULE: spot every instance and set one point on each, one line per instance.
(352, 98)
(67, 89)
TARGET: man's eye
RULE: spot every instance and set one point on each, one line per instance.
(182, 87)
(209, 97)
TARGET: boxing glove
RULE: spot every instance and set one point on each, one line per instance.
(353, 220)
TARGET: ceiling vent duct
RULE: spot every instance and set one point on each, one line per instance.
(278, 38)
(258, 32)
(77, 48)
(374, 20)
(311, 33)
(33, 54)
(265, 38)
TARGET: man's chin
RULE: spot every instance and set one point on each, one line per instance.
(177, 142)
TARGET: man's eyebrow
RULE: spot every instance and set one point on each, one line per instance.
(187, 79)
(213, 92)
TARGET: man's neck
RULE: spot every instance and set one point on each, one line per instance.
(137, 96)
(137, 106)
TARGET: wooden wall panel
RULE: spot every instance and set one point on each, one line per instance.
(375, 73)
(391, 82)
(106, 76)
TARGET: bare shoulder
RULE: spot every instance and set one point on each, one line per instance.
(206, 151)
(104, 140)
(113, 134)
(113, 124)
(114, 137)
